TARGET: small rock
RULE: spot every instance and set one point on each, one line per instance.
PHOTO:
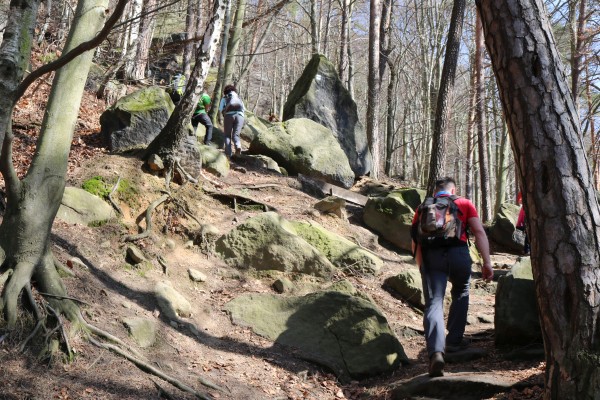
(194, 330)
(486, 319)
(209, 231)
(142, 330)
(155, 163)
(135, 255)
(174, 324)
(196, 275)
(333, 205)
(170, 244)
(189, 244)
(78, 262)
(105, 245)
(171, 302)
(471, 320)
(126, 305)
(283, 285)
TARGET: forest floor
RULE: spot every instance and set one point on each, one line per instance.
(243, 364)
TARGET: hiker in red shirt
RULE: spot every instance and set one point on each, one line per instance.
(443, 257)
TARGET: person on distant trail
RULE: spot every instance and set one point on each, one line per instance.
(440, 247)
(201, 117)
(232, 108)
(177, 87)
(521, 224)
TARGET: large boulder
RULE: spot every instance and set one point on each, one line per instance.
(516, 319)
(213, 160)
(136, 119)
(269, 242)
(320, 95)
(503, 233)
(337, 328)
(409, 285)
(391, 216)
(343, 253)
(80, 207)
(302, 146)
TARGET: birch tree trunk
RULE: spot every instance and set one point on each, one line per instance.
(562, 211)
(170, 138)
(219, 84)
(374, 86)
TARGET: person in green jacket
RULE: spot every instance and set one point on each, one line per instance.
(201, 117)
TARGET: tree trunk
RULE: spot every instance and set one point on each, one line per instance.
(190, 32)
(374, 86)
(343, 59)
(144, 41)
(234, 42)
(170, 138)
(219, 84)
(385, 35)
(578, 21)
(133, 40)
(561, 206)
(32, 203)
(437, 162)
(314, 34)
(390, 125)
(502, 161)
(470, 129)
(484, 176)
(350, 83)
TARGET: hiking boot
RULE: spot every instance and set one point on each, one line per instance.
(462, 345)
(238, 151)
(436, 365)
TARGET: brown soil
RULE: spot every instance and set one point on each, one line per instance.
(206, 345)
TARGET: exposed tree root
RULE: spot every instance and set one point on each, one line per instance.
(210, 385)
(183, 172)
(62, 268)
(144, 366)
(56, 296)
(149, 211)
(110, 198)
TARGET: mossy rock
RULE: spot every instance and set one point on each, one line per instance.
(391, 216)
(302, 146)
(80, 207)
(337, 329)
(321, 96)
(214, 160)
(136, 119)
(516, 317)
(269, 242)
(344, 254)
(409, 285)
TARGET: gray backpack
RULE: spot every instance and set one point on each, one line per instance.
(233, 102)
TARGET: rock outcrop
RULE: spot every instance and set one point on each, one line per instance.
(516, 319)
(344, 254)
(319, 95)
(269, 242)
(337, 328)
(391, 216)
(302, 146)
(503, 233)
(80, 207)
(136, 119)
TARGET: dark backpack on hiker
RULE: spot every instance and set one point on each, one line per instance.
(233, 103)
(438, 224)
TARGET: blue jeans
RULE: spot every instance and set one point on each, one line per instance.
(439, 266)
(233, 126)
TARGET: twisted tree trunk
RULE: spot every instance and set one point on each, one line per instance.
(562, 211)
(32, 202)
